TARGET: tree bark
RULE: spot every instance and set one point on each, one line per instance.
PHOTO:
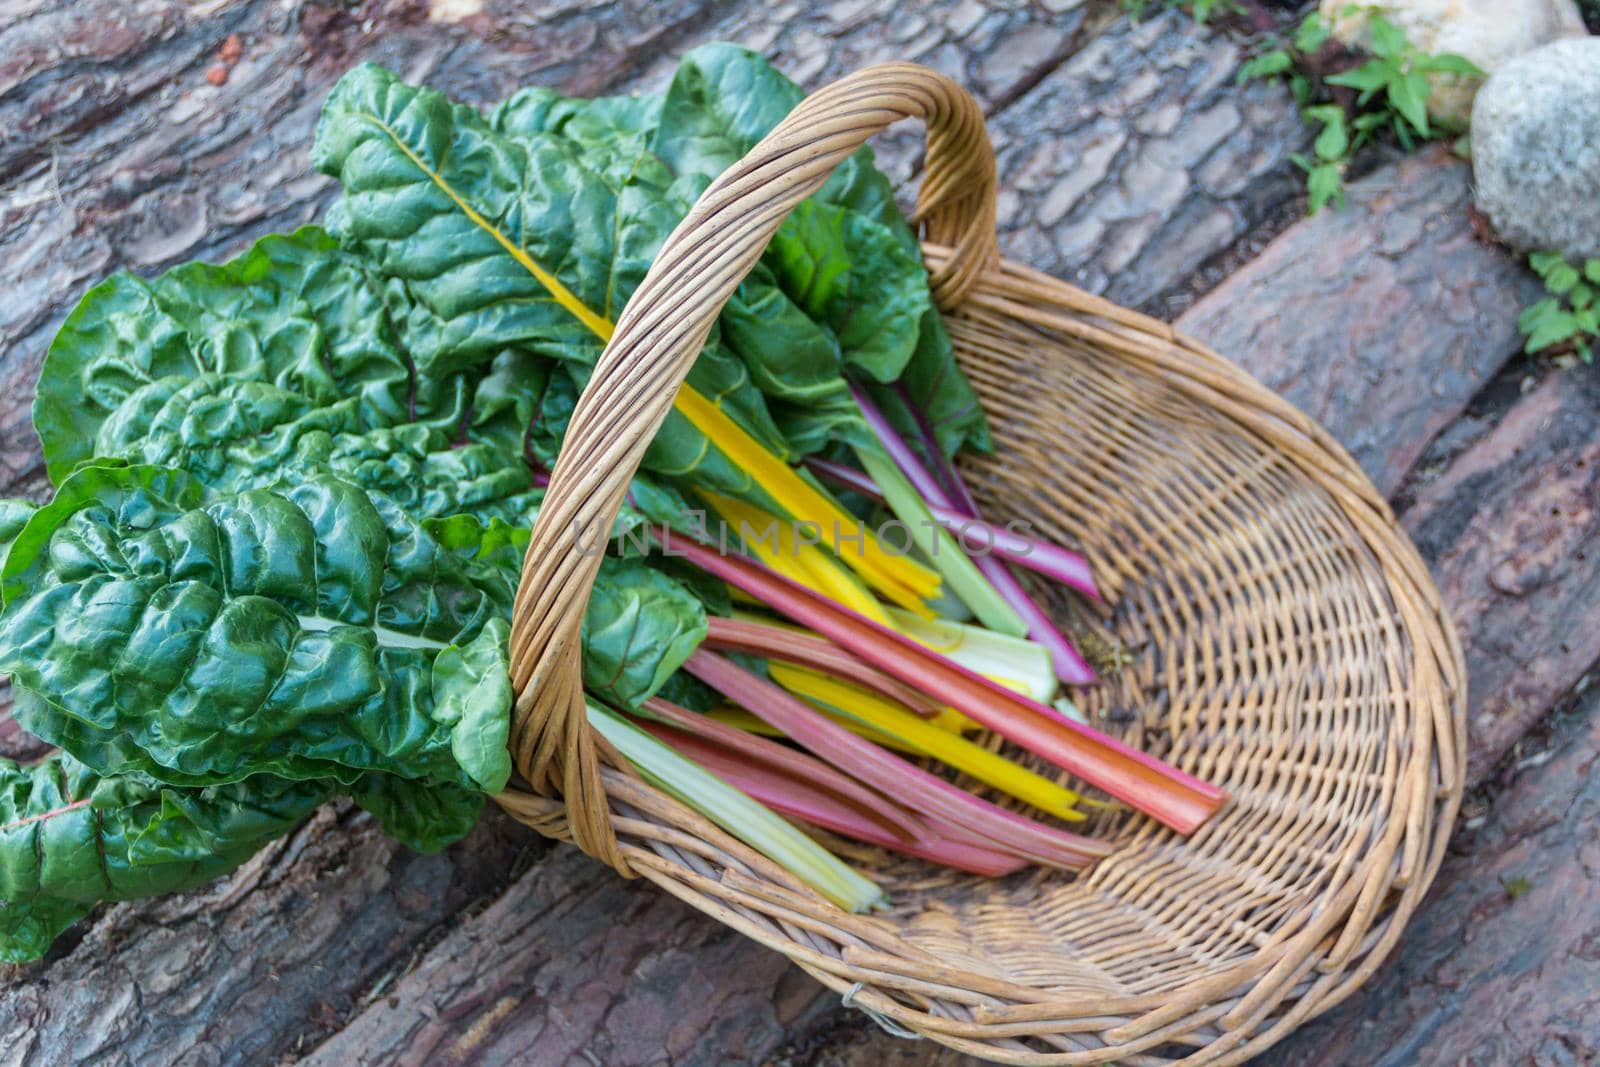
(1381, 321)
(1128, 160)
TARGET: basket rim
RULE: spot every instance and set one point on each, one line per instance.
(1226, 1016)
(1256, 1001)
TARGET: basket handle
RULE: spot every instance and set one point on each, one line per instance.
(661, 331)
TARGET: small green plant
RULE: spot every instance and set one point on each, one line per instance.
(1200, 10)
(1568, 320)
(1516, 887)
(1391, 97)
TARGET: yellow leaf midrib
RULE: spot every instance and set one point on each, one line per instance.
(894, 575)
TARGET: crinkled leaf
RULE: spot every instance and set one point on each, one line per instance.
(202, 637)
(284, 359)
(425, 816)
(69, 839)
(472, 697)
(513, 237)
(453, 212)
(723, 99)
(792, 358)
(399, 462)
(846, 256)
(873, 297)
(181, 366)
(14, 515)
(845, 270)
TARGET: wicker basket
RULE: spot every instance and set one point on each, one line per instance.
(1278, 635)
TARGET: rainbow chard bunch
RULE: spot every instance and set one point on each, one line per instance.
(293, 492)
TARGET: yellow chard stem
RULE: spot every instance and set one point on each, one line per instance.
(927, 739)
(743, 720)
(774, 543)
(901, 580)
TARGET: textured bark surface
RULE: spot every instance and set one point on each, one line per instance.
(1502, 965)
(1131, 163)
(1137, 160)
(996, 48)
(1512, 530)
(256, 966)
(1381, 321)
(574, 965)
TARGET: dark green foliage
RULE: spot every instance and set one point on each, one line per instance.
(1569, 318)
(69, 839)
(294, 488)
(1390, 97)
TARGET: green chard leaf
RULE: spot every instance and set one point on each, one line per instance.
(14, 515)
(69, 839)
(294, 488)
(425, 816)
(284, 359)
(639, 628)
(723, 99)
(846, 257)
(934, 391)
(183, 365)
(310, 630)
(790, 358)
(202, 637)
(512, 236)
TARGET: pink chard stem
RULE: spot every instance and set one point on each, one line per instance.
(923, 792)
(1070, 666)
(1042, 557)
(799, 799)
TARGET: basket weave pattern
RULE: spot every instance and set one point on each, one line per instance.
(1271, 629)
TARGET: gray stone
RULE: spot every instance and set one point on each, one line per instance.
(1488, 32)
(1536, 148)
